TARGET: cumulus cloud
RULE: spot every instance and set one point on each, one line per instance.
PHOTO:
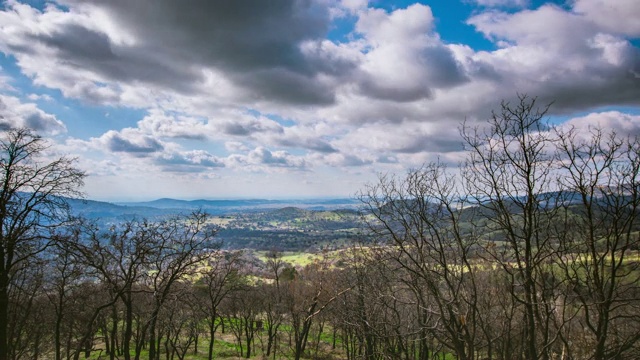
(248, 125)
(159, 123)
(166, 45)
(344, 160)
(130, 142)
(261, 159)
(610, 121)
(16, 114)
(189, 161)
(313, 138)
(617, 17)
(560, 55)
(261, 155)
(384, 144)
(503, 3)
(250, 86)
(405, 60)
(36, 97)
(235, 146)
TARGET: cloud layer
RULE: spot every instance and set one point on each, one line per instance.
(267, 91)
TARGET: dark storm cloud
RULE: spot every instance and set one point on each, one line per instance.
(256, 42)
(237, 35)
(597, 87)
(286, 86)
(39, 122)
(87, 49)
(77, 42)
(5, 125)
(236, 129)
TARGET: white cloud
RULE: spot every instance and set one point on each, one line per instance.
(194, 161)
(390, 95)
(405, 60)
(236, 147)
(36, 97)
(263, 156)
(503, 3)
(16, 114)
(609, 121)
(128, 141)
(558, 55)
(616, 16)
(160, 124)
(344, 160)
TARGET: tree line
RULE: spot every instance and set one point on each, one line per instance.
(529, 249)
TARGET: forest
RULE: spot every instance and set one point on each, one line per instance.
(527, 247)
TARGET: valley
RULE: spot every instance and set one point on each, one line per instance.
(282, 225)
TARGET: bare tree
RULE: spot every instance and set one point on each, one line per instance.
(221, 276)
(182, 320)
(32, 206)
(183, 244)
(418, 218)
(117, 259)
(308, 295)
(63, 279)
(599, 239)
(273, 299)
(510, 171)
(28, 317)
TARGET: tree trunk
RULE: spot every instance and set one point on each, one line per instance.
(4, 310)
(128, 332)
(212, 334)
(114, 334)
(152, 335)
(56, 336)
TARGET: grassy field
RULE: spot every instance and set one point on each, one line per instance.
(225, 347)
(291, 257)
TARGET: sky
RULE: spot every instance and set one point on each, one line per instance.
(274, 99)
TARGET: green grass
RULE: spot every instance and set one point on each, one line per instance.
(293, 258)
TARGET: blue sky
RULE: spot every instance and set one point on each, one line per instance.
(306, 98)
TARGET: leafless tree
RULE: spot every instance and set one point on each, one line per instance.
(418, 216)
(117, 259)
(63, 279)
(222, 275)
(311, 291)
(510, 172)
(601, 176)
(181, 320)
(273, 302)
(183, 244)
(32, 206)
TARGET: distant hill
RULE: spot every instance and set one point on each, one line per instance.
(259, 224)
(201, 204)
(243, 205)
(109, 212)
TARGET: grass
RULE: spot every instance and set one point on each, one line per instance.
(293, 258)
(225, 347)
